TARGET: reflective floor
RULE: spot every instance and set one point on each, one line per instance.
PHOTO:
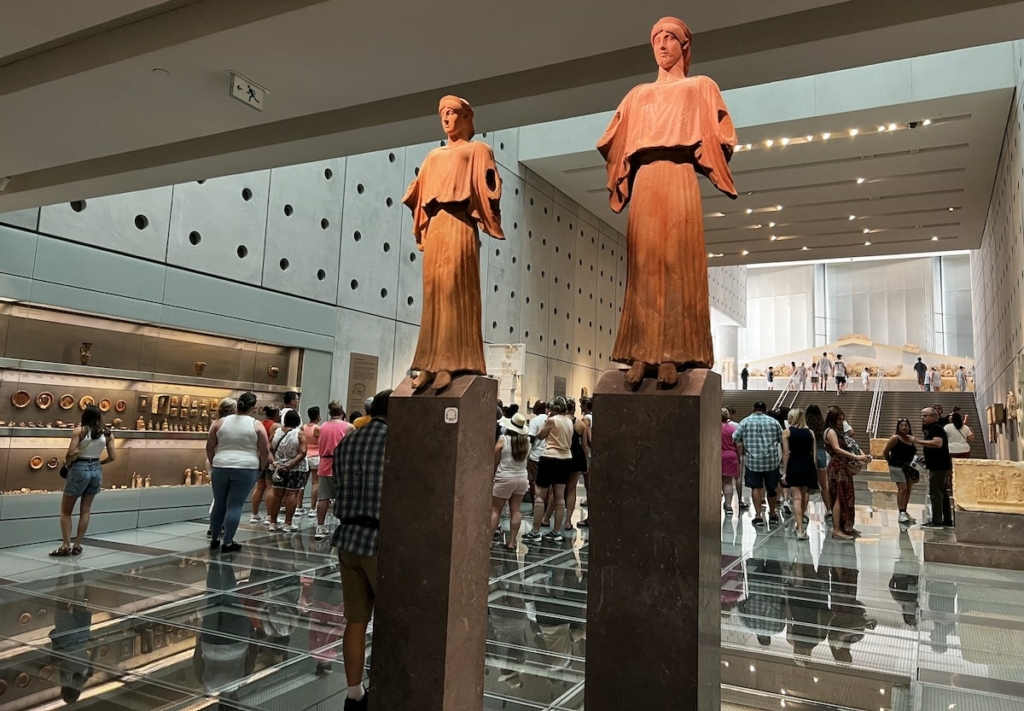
(146, 620)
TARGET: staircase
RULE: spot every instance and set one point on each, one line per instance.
(900, 403)
(854, 404)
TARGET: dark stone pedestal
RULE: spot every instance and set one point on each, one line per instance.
(653, 608)
(980, 539)
(430, 621)
(993, 529)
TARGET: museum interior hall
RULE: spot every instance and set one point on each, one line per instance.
(511, 356)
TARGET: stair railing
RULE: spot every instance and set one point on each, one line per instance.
(790, 386)
(875, 411)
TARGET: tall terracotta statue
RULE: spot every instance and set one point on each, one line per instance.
(456, 192)
(662, 135)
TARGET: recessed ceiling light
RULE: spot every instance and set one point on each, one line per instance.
(860, 181)
(867, 231)
(749, 210)
(881, 129)
(773, 238)
(769, 143)
(951, 209)
(710, 255)
(927, 122)
(745, 252)
(804, 248)
(784, 141)
(935, 239)
(161, 72)
(810, 138)
(771, 224)
(892, 127)
(825, 136)
(853, 217)
(867, 244)
(778, 207)
(749, 146)
(854, 131)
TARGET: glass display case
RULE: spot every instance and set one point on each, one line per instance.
(158, 389)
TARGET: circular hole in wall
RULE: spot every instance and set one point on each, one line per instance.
(242, 251)
(443, 143)
(542, 273)
(141, 222)
(514, 260)
(517, 191)
(526, 334)
(389, 202)
(495, 288)
(558, 218)
(289, 210)
(410, 301)
(391, 157)
(201, 181)
(554, 341)
(383, 293)
(501, 146)
(353, 284)
(531, 202)
(325, 223)
(416, 171)
(513, 295)
(412, 256)
(357, 235)
(360, 188)
(511, 329)
(284, 264)
(544, 242)
(386, 247)
(195, 238)
(78, 205)
(246, 194)
(328, 173)
(321, 274)
(570, 225)
(556, 249)
(541, 339)
(497, 253)
(494, 325)
(527, 299)
(545, 211)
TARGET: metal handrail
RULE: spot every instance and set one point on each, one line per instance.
(791, 387)
(875, 411)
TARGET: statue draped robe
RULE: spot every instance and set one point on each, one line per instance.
(661, 136)
(457, 191)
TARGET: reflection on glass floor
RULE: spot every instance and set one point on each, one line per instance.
(146, 620)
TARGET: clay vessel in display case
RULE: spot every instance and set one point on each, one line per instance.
(84, 352)
(200, 367)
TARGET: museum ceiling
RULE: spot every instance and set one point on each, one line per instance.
(112, 96)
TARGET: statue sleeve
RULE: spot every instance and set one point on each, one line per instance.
(487, 191)
(411, 199)
(718, 138)
(613, 146)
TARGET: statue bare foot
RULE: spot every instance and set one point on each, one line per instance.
(442, 380)
(422, 380)
(635, 374)
(668, 375)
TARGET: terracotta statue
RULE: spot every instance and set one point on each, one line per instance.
(456, 192)
(662, 136)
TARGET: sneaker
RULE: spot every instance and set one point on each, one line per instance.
(728, 511)
(904, 518)
(802, 536)
(289, 528)
(774, 518)
(321, 533)
(553, 537)
(280, 520)
(255, 519)
(787, 510)
(362, 705)
(214, 545)
(531, 536)
(312, 513)
(323, 668)
(300, 510)
(231, 547)
(933, 524)
(272, 527)
(758, 521)
(744, 506)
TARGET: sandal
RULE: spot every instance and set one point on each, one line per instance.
(61, 552)
(76, 550)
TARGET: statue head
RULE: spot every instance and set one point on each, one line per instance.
(456, 117)
(670, 38)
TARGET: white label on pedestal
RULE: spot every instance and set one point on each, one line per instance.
(451, 415)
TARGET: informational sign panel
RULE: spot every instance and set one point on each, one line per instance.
(560, 386)
(362, 381)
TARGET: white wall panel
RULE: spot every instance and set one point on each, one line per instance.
(584, 290)
(410, 258)
(372, 232)
(134, 223)
(609, 261)
(27, 218)
(562, 240)
(502, 291)
(219, 226)
(359, 332)
(303, 245)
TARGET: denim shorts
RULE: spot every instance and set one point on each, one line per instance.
(84, 479)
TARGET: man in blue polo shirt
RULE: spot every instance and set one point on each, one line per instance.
(759, 443)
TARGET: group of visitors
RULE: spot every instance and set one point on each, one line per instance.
(786, 455)
(819, 373)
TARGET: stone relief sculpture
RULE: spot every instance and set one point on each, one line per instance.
(456, 193)
(989, 485)
(662, 136)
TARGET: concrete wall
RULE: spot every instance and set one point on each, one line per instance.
(997, 275)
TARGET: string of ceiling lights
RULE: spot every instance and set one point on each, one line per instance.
(786, 141)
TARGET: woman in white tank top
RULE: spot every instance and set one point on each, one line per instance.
(238, 449)
(84, 478)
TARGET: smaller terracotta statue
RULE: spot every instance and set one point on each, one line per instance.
(200, 367)
(456, 193)
(84, 353)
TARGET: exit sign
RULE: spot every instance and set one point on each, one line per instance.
(247, 91)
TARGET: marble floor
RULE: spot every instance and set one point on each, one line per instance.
(146, 619)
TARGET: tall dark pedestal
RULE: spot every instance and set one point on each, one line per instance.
(430, 620)
(653, 600)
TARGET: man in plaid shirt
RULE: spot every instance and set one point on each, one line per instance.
(759, 440)
(358, 466)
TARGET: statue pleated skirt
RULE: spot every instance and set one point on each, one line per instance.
(451, 335)
(666, 317)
